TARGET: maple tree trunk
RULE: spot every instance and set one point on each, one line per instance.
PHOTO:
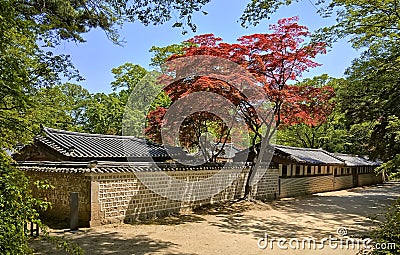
(253, 169)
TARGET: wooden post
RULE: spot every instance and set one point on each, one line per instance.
(74, 209)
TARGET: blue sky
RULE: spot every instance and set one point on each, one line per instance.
(96, 57)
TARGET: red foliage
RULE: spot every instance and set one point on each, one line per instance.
(155, 118)
(274, 59)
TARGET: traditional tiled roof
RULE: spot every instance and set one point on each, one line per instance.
(307, 155)
(101, 167)
(84, 145)
(229, 150)
(295, 154)
(352, 160)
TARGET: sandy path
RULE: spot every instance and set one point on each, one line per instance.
(236, 228)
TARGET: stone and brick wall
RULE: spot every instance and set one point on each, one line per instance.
(267, 188)
(64, 184)
(120, 196)
(290, 187)
(343, 182)
(112, 197)
(369, 179)
(123, 197)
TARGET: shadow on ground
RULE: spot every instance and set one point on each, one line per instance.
(236, 207)
(302, 216)
(175, 219)
(316, 216)
(108, 243)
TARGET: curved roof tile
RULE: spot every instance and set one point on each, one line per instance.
(84, 145)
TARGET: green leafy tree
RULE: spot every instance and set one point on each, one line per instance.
(336, 133)
(126, 79)
(159, 12)
(127, 76)
(104, 114)
(329, 135)
(27, 70)
(371, 96)
(17, 206)
(161, 54)
(24, 68)
(326, 133)
(332, 135)
(76, 102)
(365, 23)
(61, 106)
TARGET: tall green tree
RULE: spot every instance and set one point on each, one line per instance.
(126, 76)
(372, 96)
(312, 135)
(104, 114)
(17, 207)
(161, 54)
(331, 133)
(27, 69)
(60, 106)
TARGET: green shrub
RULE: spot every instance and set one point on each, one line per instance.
(17, 206)
(389, 230)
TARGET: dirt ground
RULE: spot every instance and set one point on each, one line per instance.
(236, 228)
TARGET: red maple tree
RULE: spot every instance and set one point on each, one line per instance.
(276, 60)
(201, 117)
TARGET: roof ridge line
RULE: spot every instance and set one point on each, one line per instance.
(298, 148)
(334, 156)
(349, 155)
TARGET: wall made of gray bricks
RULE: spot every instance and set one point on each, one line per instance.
(369, 179)
(290, 187)
(308, 185)
(59, 196)
(343, 182)
(124, 198)
(267, 187)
